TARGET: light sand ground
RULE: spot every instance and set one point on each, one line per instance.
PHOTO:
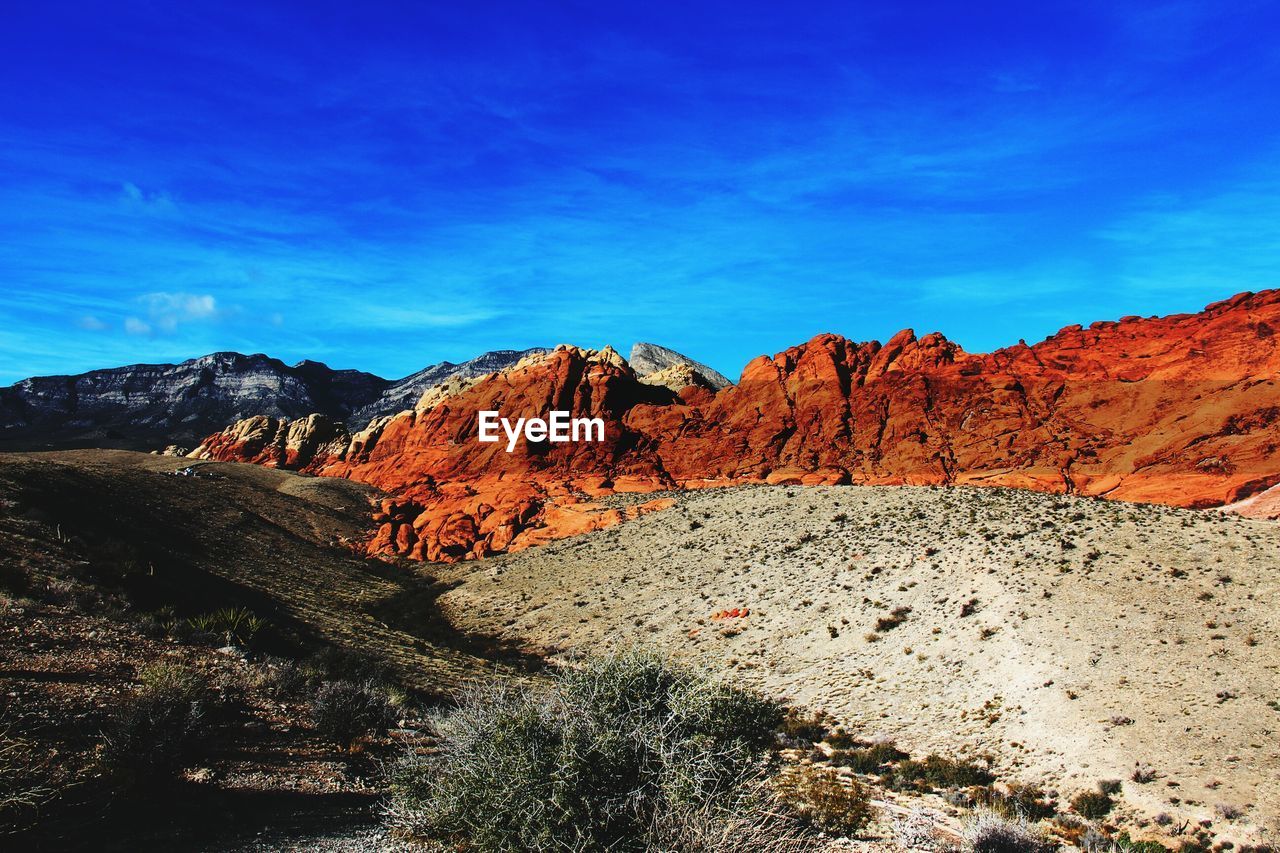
(1098, 634)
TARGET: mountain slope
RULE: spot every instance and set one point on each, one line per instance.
(142, 405)
(145, 406)
(1183, 410)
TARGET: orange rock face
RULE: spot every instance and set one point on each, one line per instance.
(1182, 410)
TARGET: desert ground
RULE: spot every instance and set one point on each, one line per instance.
(1065, 641)
(1069, 640)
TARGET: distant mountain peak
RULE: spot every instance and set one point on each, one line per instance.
(648, 359)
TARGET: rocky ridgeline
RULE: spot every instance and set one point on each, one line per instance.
(1181, 410)
(142, 406)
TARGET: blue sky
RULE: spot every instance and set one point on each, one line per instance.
(382, 186)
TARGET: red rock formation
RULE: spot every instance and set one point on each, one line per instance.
(1181, 410)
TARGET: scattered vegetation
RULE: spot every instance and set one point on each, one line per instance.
(895, 618)
(870, 758)
(22, 786)
(1016, 800)
(936, 771)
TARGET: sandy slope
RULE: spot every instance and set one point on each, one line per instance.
(1039, 625)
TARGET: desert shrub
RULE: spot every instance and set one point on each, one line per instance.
(282, 677)
(157, 623)
(940, 772)
(895, 618)
(1071, 828)
(916, 831)
(234, 625)
(1228, 811)
(989, 832)
(152, 732)
(832, 804)
(800, 729)
(868, 759)
(23, 785)
(1093, 840)
(840, 739)
(599, 758)
(345, 710)
(1123, 844)
(1142, 774)
(1016, 800)
(1092, 804)
(754, 823)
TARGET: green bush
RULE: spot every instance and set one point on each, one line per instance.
(868, 759)
(618, 754)
(237, 625)
(936, 771)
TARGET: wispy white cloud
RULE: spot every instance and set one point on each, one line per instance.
(167, 310)
(134, 326)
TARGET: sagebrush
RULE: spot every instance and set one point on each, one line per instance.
(626, 752)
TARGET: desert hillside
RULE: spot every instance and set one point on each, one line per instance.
(1072, 640)
(167, 638)
(239, 535)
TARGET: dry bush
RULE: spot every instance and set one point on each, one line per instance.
(152, 731)
(604, 757)
(755, 824)
(937, 771)
(989, 832)
(23, 785)
(1016, 800)
(868, 759)
(831, 803)
(916, 831)
(343, 711)
(1092, 804)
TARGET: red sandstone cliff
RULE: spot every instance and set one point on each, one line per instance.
(1181, 410)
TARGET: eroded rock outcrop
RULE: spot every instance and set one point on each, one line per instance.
(1182, 410)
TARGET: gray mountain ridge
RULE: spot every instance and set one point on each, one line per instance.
(647, 359)
(147, 406)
